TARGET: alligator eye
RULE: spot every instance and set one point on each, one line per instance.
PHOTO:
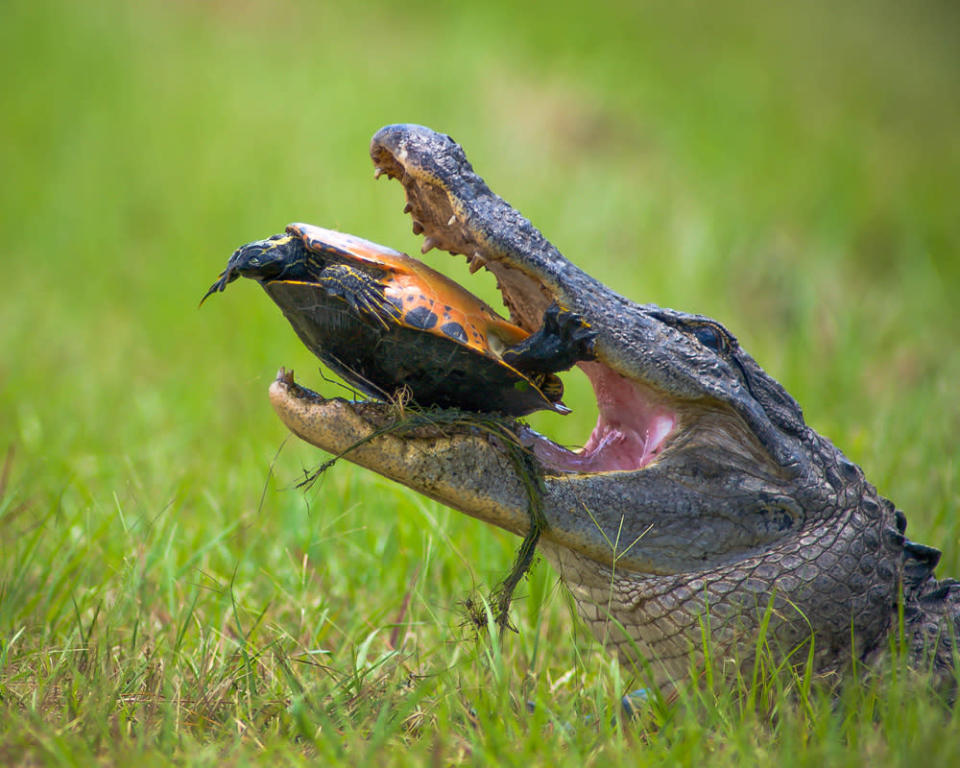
(709, 337)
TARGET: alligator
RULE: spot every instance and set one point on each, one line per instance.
(702, 515)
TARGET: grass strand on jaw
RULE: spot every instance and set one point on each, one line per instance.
(409, 417)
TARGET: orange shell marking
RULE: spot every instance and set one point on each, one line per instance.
(428, 300)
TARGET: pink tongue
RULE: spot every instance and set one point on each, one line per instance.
(616, 447)
(609, 448)
(630, 431)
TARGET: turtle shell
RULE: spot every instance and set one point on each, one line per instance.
(430, 334)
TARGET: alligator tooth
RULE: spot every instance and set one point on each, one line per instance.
(429, 244)
(476, 261)
(377, 173)
(417, 227)
(407, 208)
(452, 220)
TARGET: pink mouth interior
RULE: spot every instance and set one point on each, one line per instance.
(632, 428)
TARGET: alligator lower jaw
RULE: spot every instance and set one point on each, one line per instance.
(632, 427)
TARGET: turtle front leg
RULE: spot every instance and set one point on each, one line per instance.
(362, 292)
(564, 338)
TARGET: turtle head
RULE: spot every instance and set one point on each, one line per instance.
(262, 260)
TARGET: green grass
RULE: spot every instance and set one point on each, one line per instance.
(166, 593)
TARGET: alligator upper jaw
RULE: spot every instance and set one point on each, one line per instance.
(446, 201)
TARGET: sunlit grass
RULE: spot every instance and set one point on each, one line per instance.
(167, 592)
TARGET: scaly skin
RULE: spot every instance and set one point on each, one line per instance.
(702, 500)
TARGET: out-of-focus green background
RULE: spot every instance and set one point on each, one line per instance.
(791, 169)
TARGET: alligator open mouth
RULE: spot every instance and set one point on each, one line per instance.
(631, 431)
(634, 422)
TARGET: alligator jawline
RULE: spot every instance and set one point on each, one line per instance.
(634, 422)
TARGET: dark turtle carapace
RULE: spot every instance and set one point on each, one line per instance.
(384, 321)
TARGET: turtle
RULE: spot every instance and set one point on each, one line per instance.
(384, 321)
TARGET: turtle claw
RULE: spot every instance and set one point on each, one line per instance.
(227, 276)
(563, 339)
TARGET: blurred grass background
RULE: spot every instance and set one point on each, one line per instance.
(791, 169)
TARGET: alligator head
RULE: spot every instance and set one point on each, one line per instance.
(701, 498)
